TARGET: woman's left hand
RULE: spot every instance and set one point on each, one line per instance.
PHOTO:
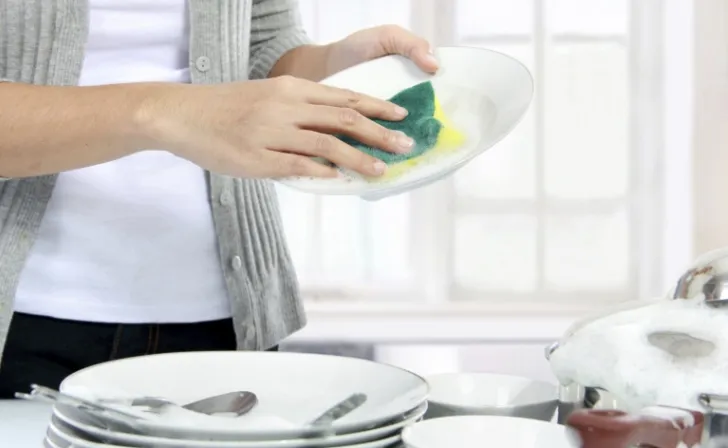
(373, 43)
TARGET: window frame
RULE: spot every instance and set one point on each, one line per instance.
(434, 19)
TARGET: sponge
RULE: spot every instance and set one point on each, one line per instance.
(426, 124)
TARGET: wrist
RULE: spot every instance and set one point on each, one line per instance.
(312, 62)
(153, 124)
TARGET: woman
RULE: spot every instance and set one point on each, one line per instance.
(131, 251)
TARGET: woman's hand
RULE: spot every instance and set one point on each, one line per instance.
(380, 41)
(272, 128)
(316, 62)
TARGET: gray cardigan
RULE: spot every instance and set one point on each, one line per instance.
(42, 42)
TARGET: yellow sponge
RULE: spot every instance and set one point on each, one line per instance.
(449, 138)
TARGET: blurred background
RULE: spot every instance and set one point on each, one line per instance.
(608, 188)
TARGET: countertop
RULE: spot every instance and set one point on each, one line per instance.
(23, 423)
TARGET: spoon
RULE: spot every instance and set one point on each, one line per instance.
(237, 403)
(339, 410)
(48, 395)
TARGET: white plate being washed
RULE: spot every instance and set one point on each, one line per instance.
(292, 389)
(484, 93)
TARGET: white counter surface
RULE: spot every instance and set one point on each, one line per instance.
(23, 423)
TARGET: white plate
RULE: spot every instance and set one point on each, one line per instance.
(62, 418)
(484, 93)
(485, 431)
(292, 389)
(64, 437)
(48, 443)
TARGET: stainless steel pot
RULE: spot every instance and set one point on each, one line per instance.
(708, 276)
(576, 396)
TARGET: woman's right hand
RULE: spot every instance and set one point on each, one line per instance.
(273, 128)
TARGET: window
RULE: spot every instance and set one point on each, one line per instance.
(564, 212)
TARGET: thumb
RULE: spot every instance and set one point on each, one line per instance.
(397, 40)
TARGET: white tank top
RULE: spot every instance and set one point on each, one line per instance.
(129, 241)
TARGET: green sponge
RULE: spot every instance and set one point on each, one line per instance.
(420, 124)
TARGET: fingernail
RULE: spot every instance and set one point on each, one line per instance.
(404, 142)
(400, 111)
(432, 59)
(379, 167)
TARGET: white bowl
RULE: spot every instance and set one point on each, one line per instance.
(491, 394)
(484, 93)
(482, 431)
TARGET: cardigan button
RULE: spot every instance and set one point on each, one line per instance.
(236, 263)
(226, 198)
(203, 63)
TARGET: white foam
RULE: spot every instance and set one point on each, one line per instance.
(614, 353)
(676, 416)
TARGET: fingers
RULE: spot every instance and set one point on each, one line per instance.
(397, 40)
(339, 120)
(424, 59)
(315, 144)
(368, 106)
(280, 165)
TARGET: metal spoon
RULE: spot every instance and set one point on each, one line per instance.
(48, 395)
(237, 403)
(323, 425)
(339, 410)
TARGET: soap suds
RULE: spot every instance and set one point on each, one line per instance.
(679, 418)
(614, 353)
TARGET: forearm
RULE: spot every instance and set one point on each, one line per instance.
(47, 130)
(306, 62)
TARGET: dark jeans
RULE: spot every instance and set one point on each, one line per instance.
(43, 350)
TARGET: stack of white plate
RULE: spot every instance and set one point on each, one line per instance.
(292, 389)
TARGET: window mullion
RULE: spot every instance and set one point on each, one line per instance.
(539, 41)
(431, 238)
(646, 136)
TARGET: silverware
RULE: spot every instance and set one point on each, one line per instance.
(48, 395)
(237, 403)
(339, 410)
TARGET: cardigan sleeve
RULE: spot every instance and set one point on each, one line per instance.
(276, 28)
(3, 179)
